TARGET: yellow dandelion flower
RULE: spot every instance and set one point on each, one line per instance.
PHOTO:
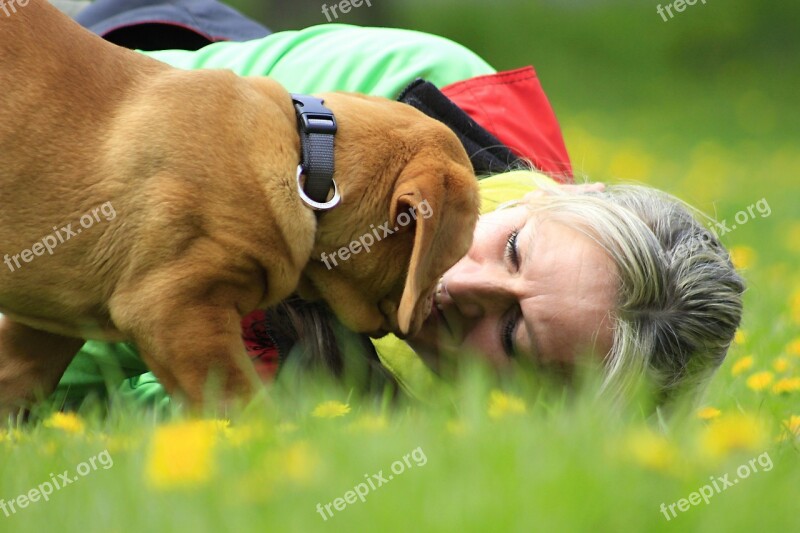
(793, 348)
(296, 463)
(181, 454)
(369, 424)
(651, 450)
(740, 337)
(69, 422)
(733, 432)
(743, 257)
(786, 385)
(299, 462)
(780, 364)
(708, 413)
(331, 409)
(502, 404)
(743, 364)
(759, 381)
(791, 427)
(238, 435)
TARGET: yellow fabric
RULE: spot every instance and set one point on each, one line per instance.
(394, 353)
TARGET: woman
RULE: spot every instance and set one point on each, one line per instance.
(562, 271)
(570, 270)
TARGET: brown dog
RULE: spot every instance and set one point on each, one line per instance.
(147, 203)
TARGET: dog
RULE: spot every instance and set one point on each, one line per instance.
(199, 171)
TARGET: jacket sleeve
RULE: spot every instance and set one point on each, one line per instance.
(144, 391)
(339, 57)
(97, 368)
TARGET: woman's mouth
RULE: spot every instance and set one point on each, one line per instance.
(438, 308)
(437, 334)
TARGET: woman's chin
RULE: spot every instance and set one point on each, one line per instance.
(428, 343)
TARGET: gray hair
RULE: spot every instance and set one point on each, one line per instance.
(680, 298)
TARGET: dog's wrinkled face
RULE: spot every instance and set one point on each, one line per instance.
(409, 208)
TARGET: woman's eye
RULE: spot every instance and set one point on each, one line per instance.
(510, 253)
(507, 334)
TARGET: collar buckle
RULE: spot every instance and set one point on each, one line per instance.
(313, 116)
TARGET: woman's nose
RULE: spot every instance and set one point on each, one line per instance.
(475, 288)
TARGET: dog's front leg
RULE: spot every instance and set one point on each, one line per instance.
(187, 326)
(197, 352)
(31, 362)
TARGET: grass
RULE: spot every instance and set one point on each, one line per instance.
(524, 459)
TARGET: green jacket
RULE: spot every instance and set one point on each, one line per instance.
(330, 57)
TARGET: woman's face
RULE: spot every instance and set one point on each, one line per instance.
(528, 288)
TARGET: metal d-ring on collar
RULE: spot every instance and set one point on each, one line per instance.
(317, 127)
(317, 206)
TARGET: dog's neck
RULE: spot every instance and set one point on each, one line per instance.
(93, 74)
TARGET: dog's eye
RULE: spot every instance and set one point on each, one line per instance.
(511, 253)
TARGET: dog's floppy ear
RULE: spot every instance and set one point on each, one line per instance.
(407, 197)
(423, 188)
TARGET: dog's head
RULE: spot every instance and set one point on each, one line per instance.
(408, 212)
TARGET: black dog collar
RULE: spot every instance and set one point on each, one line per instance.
(317, 127)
